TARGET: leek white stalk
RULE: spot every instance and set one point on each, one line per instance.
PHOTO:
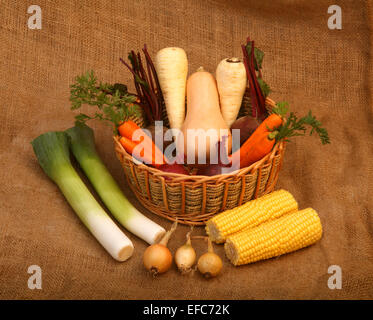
(52, 152)
(83, 147)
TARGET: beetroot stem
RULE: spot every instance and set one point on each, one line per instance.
(259, 92)
(254, 102)
(158, 86)
(144, 105)
(152, 99)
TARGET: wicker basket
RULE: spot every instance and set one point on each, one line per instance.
(194, 199)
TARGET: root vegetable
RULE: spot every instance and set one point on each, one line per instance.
(155, 131)
(157, 257)
(171, 65)
(174, 168)
(231, 81)
(247, 125)
(223, 166)
(150, 153)
(254, 149)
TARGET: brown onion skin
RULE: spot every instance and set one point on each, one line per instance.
(209, 264)
(157, 259)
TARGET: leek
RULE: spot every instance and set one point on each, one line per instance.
(52, 151)
(82, 145)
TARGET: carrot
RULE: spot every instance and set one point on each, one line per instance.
(129, 145)
(139, 153)
(254, 149)
(270, 123)
(126, 130)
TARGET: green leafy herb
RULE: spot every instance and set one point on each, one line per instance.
(114, 103)
(297, 127)
(281, 108)
(122, 88)
(264, 87)
(258, 54)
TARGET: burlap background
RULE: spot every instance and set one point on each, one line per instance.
(307, 64)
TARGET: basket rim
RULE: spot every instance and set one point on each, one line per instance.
(177, 177)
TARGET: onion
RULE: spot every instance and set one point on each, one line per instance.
(157, 257)
(209, 264)
(185, 256)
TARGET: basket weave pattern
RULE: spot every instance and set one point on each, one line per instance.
(194, 199)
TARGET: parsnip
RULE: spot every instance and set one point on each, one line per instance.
(231, 80)
(171, 65)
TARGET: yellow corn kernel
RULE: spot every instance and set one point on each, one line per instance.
(250, 214)
(288, 233)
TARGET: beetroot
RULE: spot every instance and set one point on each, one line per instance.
(162, 144)
(215, 169)
(174, 168)
(247, 125)
(223, 165)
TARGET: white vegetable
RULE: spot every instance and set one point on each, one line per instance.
(231, 80)
(83, 147)
(171, 65)
(52, 152)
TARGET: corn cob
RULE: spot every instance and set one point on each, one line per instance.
(288, 233)
(250, 214)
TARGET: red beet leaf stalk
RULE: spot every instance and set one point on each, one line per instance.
(259, 110)
(146, 83)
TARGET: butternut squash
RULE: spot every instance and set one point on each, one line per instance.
(204, 125)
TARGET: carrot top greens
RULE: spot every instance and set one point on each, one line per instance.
(114, 103)
(297, 127)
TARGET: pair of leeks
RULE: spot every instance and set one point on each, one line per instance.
(52, 151)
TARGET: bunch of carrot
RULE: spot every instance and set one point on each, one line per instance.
(137, 143)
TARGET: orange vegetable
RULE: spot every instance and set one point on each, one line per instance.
(126, 130)
(130, 145)
(254, 149)
(204, 115)
(270, 123)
